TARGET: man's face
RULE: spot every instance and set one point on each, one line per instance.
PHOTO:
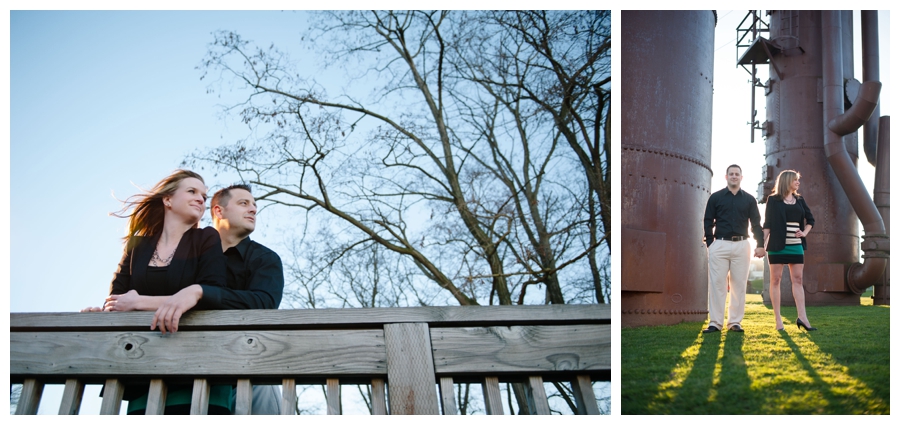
(240, 212)
(734, 177)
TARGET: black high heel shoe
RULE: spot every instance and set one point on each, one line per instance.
(801, 324)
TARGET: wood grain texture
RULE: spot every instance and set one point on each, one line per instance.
(288, 397)
(71, 399)
(30, 399)
(243, 400)
(379, 406)
(410, 369)
(448, 397)
(493, 402)
(112, 397)
(585, 401)
(537, 397)
(373, 318)
(521, 349)
(156, 398)
(200, 397)
(238, 353)
(333, 396)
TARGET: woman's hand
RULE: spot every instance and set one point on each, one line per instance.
(169, 313)
(800, 234)
(128, 301)
(91, 309)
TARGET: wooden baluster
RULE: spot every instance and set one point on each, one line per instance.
(156, 398)
(243, 402)
(537, 397)
(288, 396)
(200, 397)
(378, 405)
(493, 402)
(30, 399)
(584, 396)
(112, 397)
(448, 397)
(71, 400)
(410, 367)
(333, 396)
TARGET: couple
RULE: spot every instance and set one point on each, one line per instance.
(170, 266)
(788, 222)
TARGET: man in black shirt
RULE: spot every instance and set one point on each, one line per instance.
(728, 211)
(255, 277)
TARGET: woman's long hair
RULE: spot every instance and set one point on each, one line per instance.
(783, 183)
(148, 212)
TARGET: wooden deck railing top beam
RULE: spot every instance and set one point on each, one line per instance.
(337, 318)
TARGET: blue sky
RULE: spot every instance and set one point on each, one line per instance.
(101, 100)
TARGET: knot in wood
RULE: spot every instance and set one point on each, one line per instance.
(130, 346)
(250, 343)
(565, 361)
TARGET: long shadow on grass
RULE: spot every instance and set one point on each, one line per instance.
(857, 338)
(649, 355)
(696, 391)
(829, 396)
(734, 380)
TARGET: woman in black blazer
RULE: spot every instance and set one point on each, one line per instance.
(788, 221)
(167, 262)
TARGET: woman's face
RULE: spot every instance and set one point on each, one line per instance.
(189, 200)
(795, 185)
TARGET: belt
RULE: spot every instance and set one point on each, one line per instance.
(733, 238)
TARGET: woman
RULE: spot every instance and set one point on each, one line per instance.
(167, 262)
(788, 221)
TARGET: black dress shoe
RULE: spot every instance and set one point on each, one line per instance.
(803, 325)
(710, 329)
(735, 328)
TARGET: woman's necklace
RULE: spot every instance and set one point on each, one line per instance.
(792, 201)
(157, 261)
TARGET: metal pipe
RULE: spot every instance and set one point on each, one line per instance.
(859, 113)
(876, 245)
(870, 67)
(882, 292)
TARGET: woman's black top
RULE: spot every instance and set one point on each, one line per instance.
(198, 259)
(776, 221)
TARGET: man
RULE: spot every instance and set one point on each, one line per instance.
(255, 277)
(728, 211)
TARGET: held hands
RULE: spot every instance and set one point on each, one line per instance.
(759, 253)
(168, 314)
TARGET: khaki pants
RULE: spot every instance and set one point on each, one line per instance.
(724, 257)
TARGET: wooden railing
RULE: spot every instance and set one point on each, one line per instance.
(410, 352)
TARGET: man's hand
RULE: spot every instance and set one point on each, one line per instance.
(760, 253)
(168, 314)
(128, 301)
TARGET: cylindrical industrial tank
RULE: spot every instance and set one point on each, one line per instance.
(795, 140)
(667, 91)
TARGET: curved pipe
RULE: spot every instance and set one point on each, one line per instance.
(876, 245)
(865, 103)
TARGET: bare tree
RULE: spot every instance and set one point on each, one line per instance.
(498, 220)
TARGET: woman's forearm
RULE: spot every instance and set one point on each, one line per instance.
(151, 302)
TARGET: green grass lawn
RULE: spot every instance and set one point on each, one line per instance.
(843, 368)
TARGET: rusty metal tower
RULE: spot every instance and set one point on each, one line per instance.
(814, 106)
(667, 90)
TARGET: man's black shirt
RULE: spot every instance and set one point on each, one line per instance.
(255, 279)
(729, 213)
